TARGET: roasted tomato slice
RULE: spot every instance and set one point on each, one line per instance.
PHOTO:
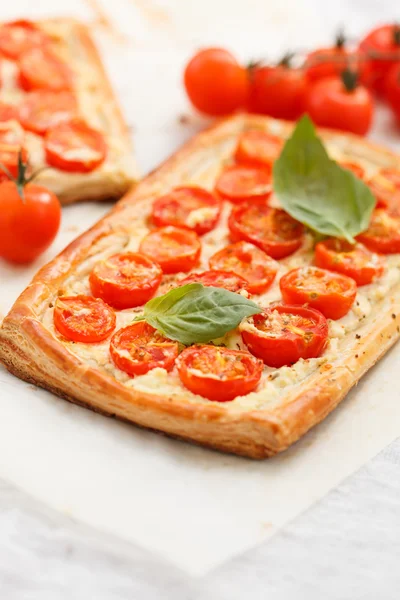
(222, 279)
(258, 149)
(125, 280)
(284, 333)
(17, 37)
(138, 348)
(356, 261)
(74, 146)
(8, 112)
(40, 69)
(174, 248)
(11, 143)
(217, 373)
(383, 233)
(355, 168)
(331, 293)
(190, 207)
(240, 183)
(271, 229)
(249, 262)
(43, 109)
(83, 318)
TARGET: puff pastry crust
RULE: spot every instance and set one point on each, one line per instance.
(97, 104)
(289, 401)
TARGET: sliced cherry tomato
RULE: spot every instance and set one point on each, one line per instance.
(74, 146)
(174, 248)
(385, 186)
(222, 279)
(284, 333)
(28, 225)
(258, 149)
(125, 280)
(138, 348)
(331, 293)
(356, 261)
(190, 207)
(8, 112)
(40, 69)
(383, 40)
(248, 261)
(83, 318)
(278, 91)
(383, 233)
(337, 103)
(355, 168)
(271, 229)
(11, 144)
(43, 109)
(240, 183)
(217, 373)
(391, 87)
(17, 37)
(215, 82)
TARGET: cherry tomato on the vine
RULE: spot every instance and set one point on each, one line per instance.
(28, 225)
(383, 42)
(340, 103)
(215, 82)
(278, 91)
(392, 89)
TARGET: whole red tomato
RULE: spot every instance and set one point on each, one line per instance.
(278, 91)
(28, 223)
(392, 89)
(383, 41)
(215, 82)
(340, 103)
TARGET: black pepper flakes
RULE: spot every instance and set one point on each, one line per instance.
(358, 336)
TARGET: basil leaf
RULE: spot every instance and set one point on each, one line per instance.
(193, 313)
(316, 191)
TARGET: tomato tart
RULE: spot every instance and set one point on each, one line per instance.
(58, 108)
(121, 320)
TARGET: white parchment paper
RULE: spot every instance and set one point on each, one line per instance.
(194, 507)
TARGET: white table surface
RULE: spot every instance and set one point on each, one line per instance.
(347, 545)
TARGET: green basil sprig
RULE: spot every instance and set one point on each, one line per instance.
(193, 313)
(316, 191)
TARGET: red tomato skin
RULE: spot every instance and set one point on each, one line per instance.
(55, 156)
(355, 168)
(27, 227)
(227, 187)
(288, 348)
(62, 107)
(33, 79)
(126, 296)
(332, 305)
(223, 279)
(383, 244)
(8, 112)
(93, 337)
(330, 105)
(250, 255)
(250, 142)
(160, 219)
(391, 88)
(326, 62)
(218, 390)
(277, 249)
(279, 92)
(141, 332)
(180, 263)
(215, 82)
(381, 39)
(327, 256)
(12, 49)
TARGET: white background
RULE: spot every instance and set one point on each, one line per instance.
(346, 546)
